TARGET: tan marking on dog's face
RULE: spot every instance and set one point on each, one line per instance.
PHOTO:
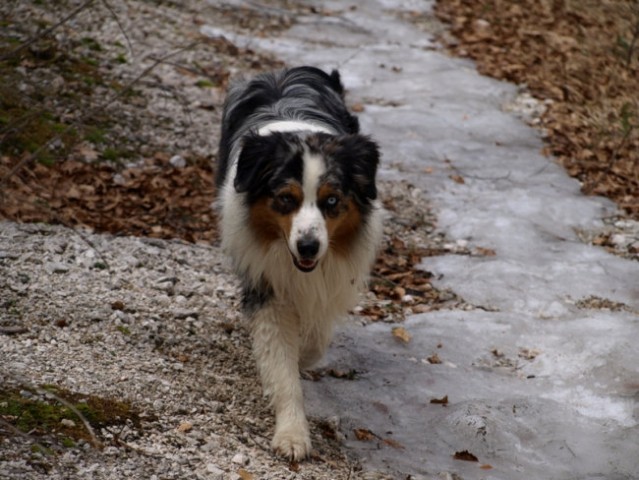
(272, 218)
(343, 222)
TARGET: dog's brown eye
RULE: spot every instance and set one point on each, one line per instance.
(286, 199)
(285, 203)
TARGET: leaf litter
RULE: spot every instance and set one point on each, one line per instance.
(582, 60)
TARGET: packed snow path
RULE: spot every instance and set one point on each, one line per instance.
(542, 382)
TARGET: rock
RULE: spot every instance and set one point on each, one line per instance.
(240, 459)
(67, 423)
(215, 472)
(177, 161)
(56, 267)
(180, 313)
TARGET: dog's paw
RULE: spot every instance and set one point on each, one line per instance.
(292, 443)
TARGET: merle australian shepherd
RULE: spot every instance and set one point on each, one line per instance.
(301, 221)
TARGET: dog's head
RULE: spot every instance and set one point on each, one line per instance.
(313, 192)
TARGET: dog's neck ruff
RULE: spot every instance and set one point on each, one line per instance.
(292, 126)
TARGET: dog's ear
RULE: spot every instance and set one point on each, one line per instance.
(255, 163)
(360, 157)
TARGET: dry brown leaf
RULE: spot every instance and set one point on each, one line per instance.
(244, 475)
(485, 252)
(466, 456)
(364, 435)
(393, 443)
(401, 334)
(185, 427)
(528, 353)
(440, 401)
(434, 359)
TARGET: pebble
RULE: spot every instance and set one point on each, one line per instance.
(66, 422)
(56, 267)
(177, 161)
(216, 472)
(240, 459)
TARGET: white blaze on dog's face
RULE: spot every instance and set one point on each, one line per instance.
(308, 237)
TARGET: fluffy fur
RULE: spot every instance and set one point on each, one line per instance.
(301, 221)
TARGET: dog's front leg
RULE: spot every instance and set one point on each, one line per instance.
(276, 344)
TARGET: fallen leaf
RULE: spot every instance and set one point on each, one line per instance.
(466, 456)
(528, 353)
(440, 401)
(393, 443)
(343, 374)
(364, 435)
(485, 252)
(244, 475)
(434, 359)
(185, 427)
(457, 179)
(401, 334)
(486, 467)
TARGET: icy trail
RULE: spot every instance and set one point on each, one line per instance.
(541, 384)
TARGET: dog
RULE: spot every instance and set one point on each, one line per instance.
(301, 221)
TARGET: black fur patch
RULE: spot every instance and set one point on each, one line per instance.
(351, 162)
(303, 93)
(255, 297)
(268, 162)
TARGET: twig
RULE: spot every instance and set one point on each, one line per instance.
(46, 32)
(117, 20)
(13, 330)
(20, 433)
(94, 440)
(635, 36)
(29, 158)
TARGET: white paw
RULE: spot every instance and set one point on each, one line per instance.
(292, 443)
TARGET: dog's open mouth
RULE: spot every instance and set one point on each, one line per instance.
(304, 264)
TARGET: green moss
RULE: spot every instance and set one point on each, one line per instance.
(204, 84)
(124, 330)
(92, 44)
(96, 135)
(42, 415)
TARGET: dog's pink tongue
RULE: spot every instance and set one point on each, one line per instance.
(307, 263)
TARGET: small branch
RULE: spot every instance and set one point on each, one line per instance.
(29, 158)
(47, 31)
(13, 330)
(117, 20)
(635, 36)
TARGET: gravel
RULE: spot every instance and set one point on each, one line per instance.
(159, 327)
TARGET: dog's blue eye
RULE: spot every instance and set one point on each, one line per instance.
(332, 201)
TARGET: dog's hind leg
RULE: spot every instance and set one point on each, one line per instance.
(276, 344)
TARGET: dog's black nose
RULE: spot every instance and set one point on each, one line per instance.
(308, 247)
